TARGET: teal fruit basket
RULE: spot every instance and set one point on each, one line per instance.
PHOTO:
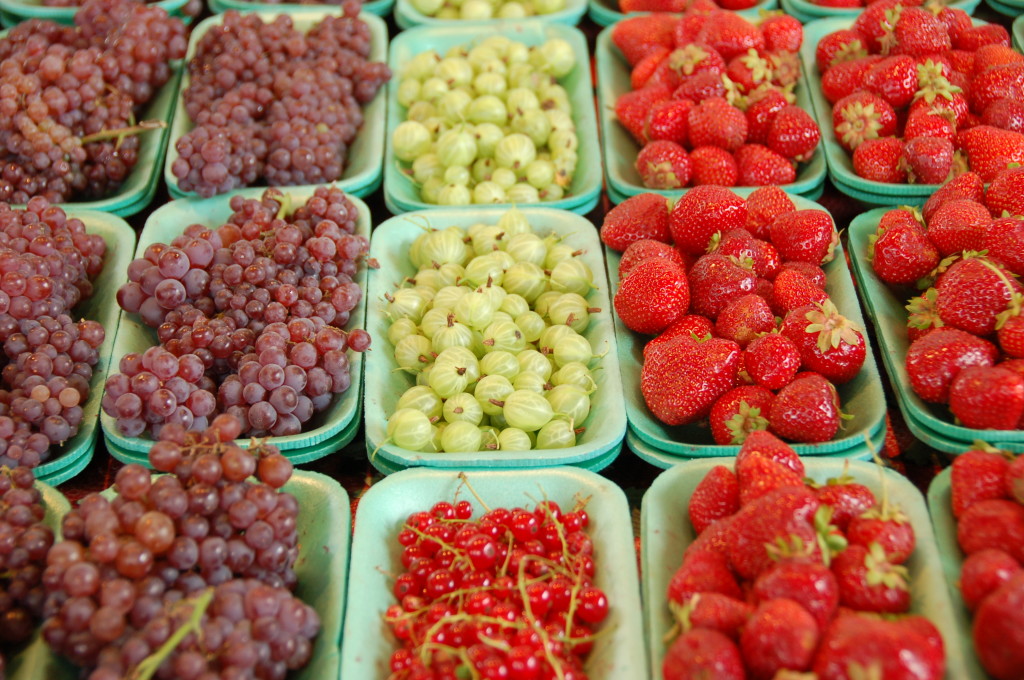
(362, 172)
(1010, 9)
(318, 439)
(606, 12)
(69, 459)
(807, 11)
(381, 8)
(400, 192)
(932, 422)
(862, 397)
(606, 425)
(666, 532)
(1018, 32)
(619, 149)
(407, 16)
(618, 651)
(940, 507)
(16, 11)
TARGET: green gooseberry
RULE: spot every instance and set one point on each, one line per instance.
(462, 407)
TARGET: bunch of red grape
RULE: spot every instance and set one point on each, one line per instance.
(68, 98)
(249, 317)
(509, 595)
(46, 262)
(271, 102)
(192, 8)
(188, 571)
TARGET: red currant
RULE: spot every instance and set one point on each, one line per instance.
(592, 605)
(463, 510)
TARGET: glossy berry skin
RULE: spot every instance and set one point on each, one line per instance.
(793, 133)
(701, 212)
(780, 635)
(975, 476)
(702, 571)
(703, 652)
(759, 475)
(984, 572)
(644, 216)
(654, 295)
(810, 584)
(682, 379)
(806, 410)
(987, 397)
(995, 523)
(716, 496)
(903, 253)
(934, 360)
(805, 236)
(878, 160)
(638, 251)
(772, 361)
(868, 582)
(997, 631)
(663, 164)
(716, 280)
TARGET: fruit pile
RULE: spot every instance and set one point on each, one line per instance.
(478, 10)
(269, 102)
(787, 576)
(510, 594)
(192, 8)
(249, 317)
(492, 327)
(488, 123)
(920, 97)
(967, 328)
(48, 261)
(71, 94)
(987, 495)
(190, 570)
(746, 334)
(681, 6)
(712, 98)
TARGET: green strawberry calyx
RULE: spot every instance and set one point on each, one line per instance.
(1013, 309)
(848, 52)
(860, 123)
(686, 59)
(881, 572)
(922, 311)
(760, 69)
(681, 615)
(788, 547)
(714, 242)
(932, 84)
(832, 327)
(940, 269)
(870, 671)
(888, 40)
(746, 420)
(830, 539)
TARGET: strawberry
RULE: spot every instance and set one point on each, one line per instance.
(977, 475)
(828, 342)
(640, 217)
(878, 160)
(638, 35)
(990, 149)
(692, 58)
(730, 34)
(685, 326)
(930, 123)
(814, 273)
(632, 108)
(958, 225)
(749, 70)
(682, 379)
(972, 293)
(940, 94)
(869, 582)
(805, 236)
(759, 476)
(987, 398)
(1014, 477)
(638, 251)
(759, 166)
(885, 525)
(760, 114)
(654, 294)
(628, 6)
(703, 653)
(713, 611)
(974, 38)
(701, 212)
(744, 318)
(1004, 241)
(741, 244)
(935, 359)
(763, 206)
(810, 584)
(846, 77)
(667, 121)
(781, 635)
(968, 185)
(922, 317)
(839, 46)
(846, 498)
(1010, 328)
(902, 253)
(806, 410)
(764, 443)
(688, 28)
(663, 165)
(876, 22)
(772, 361)
(641, 74)
(1005, 113)
(984, 572)
(907, 648)
(997, 631)
(705, 571)
(930, 160)
(738, 412)
(782, 32)
(959, 60)
(997, 82)
(1006, 193)
(918, 32)
(716, 122)
(714, 538)
(861, 116)
(793, 133)
(992, 523)
(713, 165)
(716, 496)
(894, 79)
(716, 279)
(956, 21)
(792, 290)
(700, 86)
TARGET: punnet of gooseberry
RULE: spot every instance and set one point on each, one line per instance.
(409, 429)
(410, 140)
(572, 275)
(569, 401)
(521, 99)
(491, 391)
(487, 108)
(413, 353)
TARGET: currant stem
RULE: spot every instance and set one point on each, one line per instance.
(465, 480)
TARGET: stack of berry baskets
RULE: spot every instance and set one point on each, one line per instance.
(932, 423)
(16, 11)
(377, 558)
(554, 49)
(408, 15)
(379, 7)
(607, 12)
(362, 161)
(619, 147)
(599, 435)
(862, 398)
(670, 502)
(329, 430)
(809, 10)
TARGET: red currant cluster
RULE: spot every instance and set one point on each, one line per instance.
(509, 595)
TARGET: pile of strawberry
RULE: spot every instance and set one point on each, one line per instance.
(712, 98)
(715, 300)
(988, 493)
(790, 576)
(679, 6)
(919, 97)
(967, 328)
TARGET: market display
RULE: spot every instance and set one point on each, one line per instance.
(680, 6)
(919, 96)
(71, 95)
(249, 317)
(479, 10)
(271, 105)
(488, 123)
(712, 99)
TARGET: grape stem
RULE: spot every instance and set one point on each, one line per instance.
(148, 667)
(121, 133)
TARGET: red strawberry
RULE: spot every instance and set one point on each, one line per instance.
(713, 165)
(739, 412)
(688, 27)
(716, 122)
(810, 584)
(701, 212)
(700, 86)
(628, 6)
(902, 253)
(869, 582)
(846, 498)
(887, 526)
(974, 38)
(685, 326)
(814, 273)
(703, 653)
(744, 318)
(984, 572)
(705, 571)
(682, 379)
(716, 496)
(782, 32)
(894, 79)
(909, 647)
(638, 35)
(1010, 328)
(958, 225)
(655, 294)
(922, 317)
(967, 185)
(846, 77)
(1004, 241)
(934, 360)
(941, 95)
(987, 398)
(1005, 113)
(781, 635)
(997, 631)
(919, 33)
(995, 523)
(763, 206)
(759, 166)
(749, 70)
(692, 58)
(930, 160)
(714, 538)
(793, 133)
(741, 244)
(772, 361)
(805, 236)
(990, 149)
(1014, 478)
(997, 82)
(663, 165)
(1006, 193)
(759, 476)
(972, 293)
(716, 279)
(644, 216)
(876, 22)
(792, 290)
(632, 108)
(861, 116)
(955, 20)
(765, 444)
(646, 67)
(977, 475)
(926, 123)
(878, 160)
(839, 46)
(806, 410)
(730, 34)
(713, 611)
(994, 55)
(760, 114)
(667, 121)
(638, 251)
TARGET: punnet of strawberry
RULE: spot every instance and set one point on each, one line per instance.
(920, 96)
(732, 294)
(712, 98)
(679, 6)
(790, 576)
(959, 262)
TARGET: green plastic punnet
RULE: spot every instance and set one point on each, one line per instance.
(1018, 32)
(1010, 9)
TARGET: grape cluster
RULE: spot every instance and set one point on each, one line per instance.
(249, 317)
(271, 102)
(191, 9)
(211, 546)
(69, 95)
(46, 262)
